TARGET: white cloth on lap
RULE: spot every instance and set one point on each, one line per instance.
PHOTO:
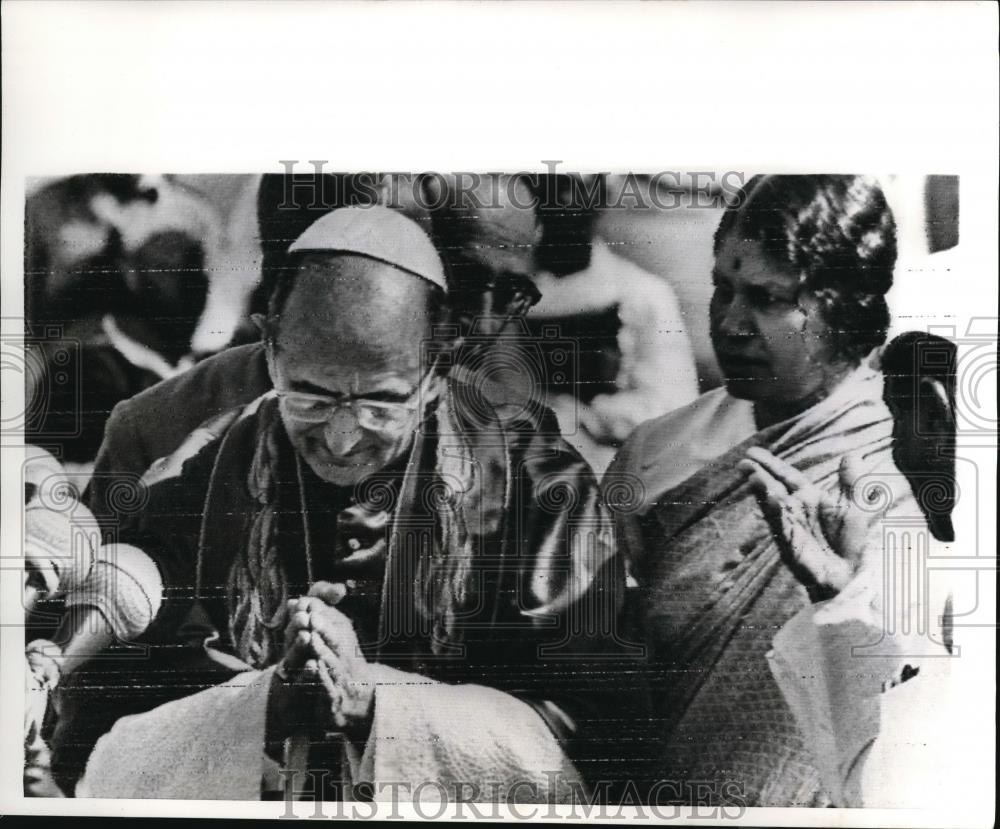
(428, 739)
(459, 742)
(206, 746)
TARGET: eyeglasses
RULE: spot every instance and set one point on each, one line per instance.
(371, 415)
(470, 282)
(379, 416)
(515, 288)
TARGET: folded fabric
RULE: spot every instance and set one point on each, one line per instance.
(207, 746)
(428, 741)
(442, 742)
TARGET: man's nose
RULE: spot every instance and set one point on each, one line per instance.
(341, 433)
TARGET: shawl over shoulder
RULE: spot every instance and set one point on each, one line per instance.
(713, 592)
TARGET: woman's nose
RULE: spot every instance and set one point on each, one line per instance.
(341, 433)
(734, 319)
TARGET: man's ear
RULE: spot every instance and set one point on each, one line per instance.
(269, 358)
(263, 326)
(272, 368)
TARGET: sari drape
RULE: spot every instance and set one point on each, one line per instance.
(713, 592)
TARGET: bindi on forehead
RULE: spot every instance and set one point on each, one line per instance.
(751, 259)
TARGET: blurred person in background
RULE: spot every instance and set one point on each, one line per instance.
(126, 271)
(43, 476)
(635, 357)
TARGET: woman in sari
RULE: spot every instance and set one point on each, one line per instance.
(765, 503)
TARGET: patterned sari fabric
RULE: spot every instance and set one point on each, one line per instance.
(714, 591)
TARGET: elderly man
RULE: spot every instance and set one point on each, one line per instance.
(389, 567)
(489, 252)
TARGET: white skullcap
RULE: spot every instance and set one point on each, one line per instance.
(64, 544)
(379, 233)
(125, 586)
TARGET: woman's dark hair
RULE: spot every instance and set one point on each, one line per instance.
(838, 234)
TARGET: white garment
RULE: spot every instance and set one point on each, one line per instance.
(206, 746)
(657, 371)
(667, 450)
(425, 735)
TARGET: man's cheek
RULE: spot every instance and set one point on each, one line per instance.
(298, 436)
(390, 450)
(309, 441)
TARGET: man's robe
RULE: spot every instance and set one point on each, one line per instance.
(153, 424)
(494, 614)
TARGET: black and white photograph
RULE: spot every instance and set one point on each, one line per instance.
(641, 488)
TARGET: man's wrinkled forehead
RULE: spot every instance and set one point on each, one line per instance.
(355, 308)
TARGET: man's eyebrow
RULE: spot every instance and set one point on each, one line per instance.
(382, 396)
(379, 396)
(311, 388)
